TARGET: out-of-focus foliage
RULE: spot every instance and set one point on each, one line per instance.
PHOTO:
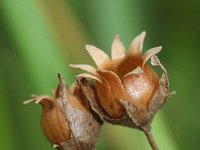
(39, 38)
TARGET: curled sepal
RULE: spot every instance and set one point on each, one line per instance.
(53, 122)
(84, 67)
(164, 79)
(87, 75)
(136, 71)
(137, 45)
(150, 53)
(163, 93)
(118, 49)
(110, 100)
(90, 92)
(97, 55)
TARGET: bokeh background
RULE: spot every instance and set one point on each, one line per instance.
(39, 38)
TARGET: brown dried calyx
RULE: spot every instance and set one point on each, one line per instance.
(124, 90)
(66, 121)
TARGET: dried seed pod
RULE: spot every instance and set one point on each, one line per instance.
(124, 90)
(66, 121)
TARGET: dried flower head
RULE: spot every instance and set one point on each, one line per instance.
(124, 89)
(66, 121)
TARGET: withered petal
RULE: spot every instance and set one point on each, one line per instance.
(156, 62)
(151, 52)
(118, 49)
(97, 55)
(61, 89)
(45, 101)
(87, 68)
(37, 99)
(113, 81)
(110, 91)
(87, 75)
(137, 45)
(137, 70)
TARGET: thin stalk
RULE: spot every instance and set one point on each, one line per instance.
(151, 139)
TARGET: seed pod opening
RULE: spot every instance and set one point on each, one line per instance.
(127, 88)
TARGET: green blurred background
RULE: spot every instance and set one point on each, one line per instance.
(39, 38)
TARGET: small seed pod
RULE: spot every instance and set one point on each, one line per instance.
(124, 90)
(66, 121)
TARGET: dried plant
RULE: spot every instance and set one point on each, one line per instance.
(67, 122)
(123, 90)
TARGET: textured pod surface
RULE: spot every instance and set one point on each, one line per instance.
(84, 127)
(66, 121)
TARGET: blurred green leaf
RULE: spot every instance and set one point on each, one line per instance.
(36, 45)
(7, 135)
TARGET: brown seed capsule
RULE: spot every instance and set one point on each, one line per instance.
(54, 124)
(66, 121)
(124, 90)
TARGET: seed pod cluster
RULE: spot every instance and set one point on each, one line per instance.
(122, 90)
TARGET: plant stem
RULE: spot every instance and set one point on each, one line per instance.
(151, 139)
